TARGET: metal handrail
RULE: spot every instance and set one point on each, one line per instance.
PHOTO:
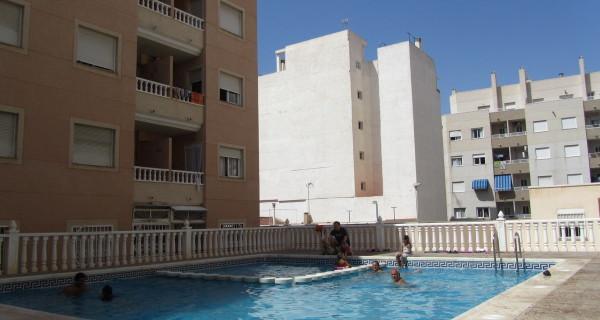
(517, 245)
(496, 249)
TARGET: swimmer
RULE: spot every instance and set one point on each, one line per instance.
(375, 267)
(341, 263)
(397, 278)
(107, 293)
(78, 287)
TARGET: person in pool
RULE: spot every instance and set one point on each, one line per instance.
(107, 293)
(375, 267)
(341, 263)
(396, 278)
(78, 287)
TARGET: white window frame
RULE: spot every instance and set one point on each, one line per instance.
(452, 158)
(570, 125)
(459, 136)
(485, 212)
(20, 113)
(480, 133)
(479, 156)
(539, 122)
(231, 97)
(569, 151)
(462, 211)
(241, 166)
(458, 187)
(89, 66)
(550, 179)
(24, 31)
(540, 157)
(242, 23)
(99, 125)
(579, 177)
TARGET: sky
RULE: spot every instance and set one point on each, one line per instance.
(467, 39)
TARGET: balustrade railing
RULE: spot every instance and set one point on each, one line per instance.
(166, 91)
(177, 14)
(31, 253)
(146, 174)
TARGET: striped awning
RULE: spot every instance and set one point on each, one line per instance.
(503, 182)
(480, 184)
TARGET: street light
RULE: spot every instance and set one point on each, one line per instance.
(308, 186)
(376, 211)
(417, 185)
(274, 204)
(394, 208)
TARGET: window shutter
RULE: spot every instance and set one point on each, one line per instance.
(11, 23)
(569, 123)
(231, 153)
(544, 181)
(540, 126)
(94, 146)
(455, 134)
(230, 83)
(97, 49)
(231, 19)
(572, 151)
(8, 134)
(575, 178)
(542, 153)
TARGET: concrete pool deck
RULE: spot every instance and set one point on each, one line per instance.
(572, 292)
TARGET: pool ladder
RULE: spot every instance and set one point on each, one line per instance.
(496, 249)
(518, 251)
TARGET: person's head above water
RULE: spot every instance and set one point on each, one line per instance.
(79, 279)
(406, 239)
(395, 275)
(337, 225)
(107, 293)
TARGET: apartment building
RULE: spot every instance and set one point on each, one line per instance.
(345, 138)
(128, 114)
(499, 141)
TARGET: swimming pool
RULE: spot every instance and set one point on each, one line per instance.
(432, 293)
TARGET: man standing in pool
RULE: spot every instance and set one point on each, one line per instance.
(341, 239)
(78, 287)
(396, 277)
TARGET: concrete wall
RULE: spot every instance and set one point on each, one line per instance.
(546, 201)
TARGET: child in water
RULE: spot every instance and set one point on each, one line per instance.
(341, 263)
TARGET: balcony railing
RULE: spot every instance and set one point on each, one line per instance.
(146, 174)
(510, 134)
(594, 155)
(503, 164)
(521, 188)
(592, 126)
(166, 10)
(166, 91)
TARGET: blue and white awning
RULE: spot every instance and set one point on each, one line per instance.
(503, 182)
(480, 184)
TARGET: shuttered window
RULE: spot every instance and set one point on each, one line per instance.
(576, 178)
(455, 135)
(458, 186)
(230, 88)
(540, 126)
(545, 181)
(231, 19)
(11, 23)
(542, 153)
(569, 123)
(93, 146)
(97, 49)
(8, 134)
(231, 162)
(572, 151)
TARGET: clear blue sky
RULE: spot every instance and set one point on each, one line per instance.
(466, 38)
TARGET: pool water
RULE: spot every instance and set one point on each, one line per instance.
(430, 294)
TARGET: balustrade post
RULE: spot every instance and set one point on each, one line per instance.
(187, 240)
(379, 233)
(500, 225)
(12, 254)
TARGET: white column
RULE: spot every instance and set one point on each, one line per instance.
(448, 247)
(461, 230)
(477, 247)
(34, 247)
(64, 253)
(454, 239)
(470, 235)
(44, 260)
(582, 81)
(24, 241)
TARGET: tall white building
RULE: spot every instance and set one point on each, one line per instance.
(338, 132)
(500, 140)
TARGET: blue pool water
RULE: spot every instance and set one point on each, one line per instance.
(430, 294)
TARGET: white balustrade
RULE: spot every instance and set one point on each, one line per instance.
(188, 19)
(156, 6)
(146, 174)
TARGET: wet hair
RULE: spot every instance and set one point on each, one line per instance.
(337, 222)
(107, 293)
(376, 262)
(407, 238)
(80, 276)
(547, 273)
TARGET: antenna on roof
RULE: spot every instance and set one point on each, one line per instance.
(345, 23)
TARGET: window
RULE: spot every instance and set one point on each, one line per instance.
(231, 19)
(361, 155)
(455, 135)
(359, 95)
(460, 213)
(540, 126)
(483, 213)
(524, 183)
(456, 161)
(486, 107)
(230, 89)
(363, 186)
(11, 23)
(544, 181)
(8, 134)
(576, 178)
(357, 64)
(525, 209)
(569, 123)
(478, 159)
(231, 162)
(97, 49)
(360, 125)
(572, 151)
(458, 186)
(542, 153)
(477, 133)
(93, 146)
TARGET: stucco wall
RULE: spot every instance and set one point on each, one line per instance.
(546, 201)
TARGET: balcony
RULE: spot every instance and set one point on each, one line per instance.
(158, 102)
(170, 26)
(511, 139)
(594, 160)
(592, 130)
(515, 166)
(157, 185)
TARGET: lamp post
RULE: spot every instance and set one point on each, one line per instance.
(417, 185)
(274, 204)
(349, 215)
(394, 209)
(376, 211)
(308, 186)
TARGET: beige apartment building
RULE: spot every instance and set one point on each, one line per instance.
(501, 140)
(121, 114)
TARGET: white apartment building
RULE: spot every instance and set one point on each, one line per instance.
(339, 132)
(500, 140)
